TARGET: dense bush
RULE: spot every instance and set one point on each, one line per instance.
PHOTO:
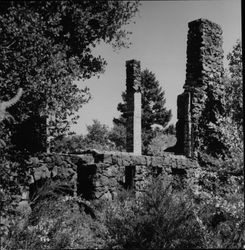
(200, 216)
(223, 221)
(160, 218)
(13, 180)
(57, 223)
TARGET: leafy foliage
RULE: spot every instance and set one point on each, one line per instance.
(117, 135)
(220, 209)
(162, 140)
(233, 85)
(46, 46)
(60, 222)
(68, 144)
(13, 180)
(222, 119)
(98, 136)
(208, 214)
(227, 134)
(159, 219)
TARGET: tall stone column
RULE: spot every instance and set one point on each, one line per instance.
(183, 126)
(133, 97)
(204, 67)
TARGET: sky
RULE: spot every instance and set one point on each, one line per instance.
(159, 41)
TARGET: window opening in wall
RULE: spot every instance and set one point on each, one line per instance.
(130, 177)
(85, 178)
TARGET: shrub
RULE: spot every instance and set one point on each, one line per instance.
(58, 223)
(223, 221)
(160, 143)
(219, 195)
(160, 218)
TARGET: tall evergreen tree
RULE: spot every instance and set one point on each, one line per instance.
(153, 107)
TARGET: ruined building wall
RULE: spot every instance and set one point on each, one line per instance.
(98, 175)
(103, 174)
(204, 67)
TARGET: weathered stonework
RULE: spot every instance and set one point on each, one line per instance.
(204, 67)
(104, 174)
(133, 95)
(52, 166)
(101, 175)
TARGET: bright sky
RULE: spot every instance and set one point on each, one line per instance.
(159, 41)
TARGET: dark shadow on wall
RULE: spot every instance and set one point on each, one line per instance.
(129, 177)
(85, 179)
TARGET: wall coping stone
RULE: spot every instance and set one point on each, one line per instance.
(130, 159)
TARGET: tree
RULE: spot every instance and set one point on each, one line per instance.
(98, 137)
(68, 144)
(97, 133)
(222, 119)
(233, 85)
(117, 135)
(153, 107)
(228, 130)
(45, 46)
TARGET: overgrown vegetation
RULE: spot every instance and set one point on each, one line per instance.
(40, 54)
(45, 47)
(159, 218)
(99, 136)
(206, 212)
(221, 126)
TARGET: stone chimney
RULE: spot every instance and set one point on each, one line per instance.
(204, 67)
(133, 97)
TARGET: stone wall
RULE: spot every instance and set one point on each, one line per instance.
(204, 68)
(103, 174)
(53, 166)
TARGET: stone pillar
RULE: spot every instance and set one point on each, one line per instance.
(184, 123)
(204, 67)
(133, 97)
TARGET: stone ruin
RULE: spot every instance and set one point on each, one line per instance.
(204, 67)
(102, 174)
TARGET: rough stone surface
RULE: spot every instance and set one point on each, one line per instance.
(52, 166)
(101, 175)
(204, 67)
(111, 172)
